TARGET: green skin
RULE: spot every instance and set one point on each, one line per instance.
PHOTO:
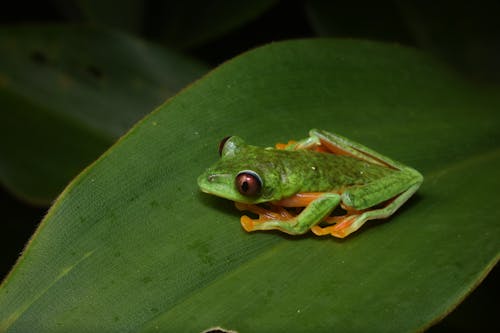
(358, 179)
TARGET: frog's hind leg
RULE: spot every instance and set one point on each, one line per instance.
(349, 223)
(324, 141)
(340, 145)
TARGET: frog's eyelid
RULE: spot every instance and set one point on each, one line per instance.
(222, 143)
(253, 173)
(230, 145)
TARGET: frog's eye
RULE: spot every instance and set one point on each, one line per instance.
(222, 143)
(248, 183)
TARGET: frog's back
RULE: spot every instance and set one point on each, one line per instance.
(318, 172)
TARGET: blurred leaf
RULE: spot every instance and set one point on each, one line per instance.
(67, 93)
(131, 244)
(181, 24)
(379, 20)
(126, 14)
(465, 34)
(190, 23)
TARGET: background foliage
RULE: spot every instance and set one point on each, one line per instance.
(195, 37)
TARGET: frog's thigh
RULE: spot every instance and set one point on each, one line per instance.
(302, 199)
(352, 223)
(380, 190)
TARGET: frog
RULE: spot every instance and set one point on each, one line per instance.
(326, 183)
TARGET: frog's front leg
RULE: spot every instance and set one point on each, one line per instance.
(314, 213)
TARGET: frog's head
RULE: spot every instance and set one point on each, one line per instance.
(241, 174)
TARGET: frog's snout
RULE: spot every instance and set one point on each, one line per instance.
(208, 181)
(202, 182)
(219, 184)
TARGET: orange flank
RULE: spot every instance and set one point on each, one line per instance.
(298, 200)
(331, 148)
(321, 149)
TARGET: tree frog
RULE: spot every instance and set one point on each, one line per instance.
(295, 187)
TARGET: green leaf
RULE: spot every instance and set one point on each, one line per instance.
(67, 93)
(132, 245)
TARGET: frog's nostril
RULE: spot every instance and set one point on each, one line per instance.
(211, 178)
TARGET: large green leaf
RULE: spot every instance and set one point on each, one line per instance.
(67, 93)
(132, 245)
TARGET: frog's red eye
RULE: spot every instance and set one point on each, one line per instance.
(222, 143)
(248, 183)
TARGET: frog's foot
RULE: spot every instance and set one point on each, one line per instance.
(311, 143)
(285, 146)
(344, 225)
(265, 219)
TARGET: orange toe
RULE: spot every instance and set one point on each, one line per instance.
(247, 223)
